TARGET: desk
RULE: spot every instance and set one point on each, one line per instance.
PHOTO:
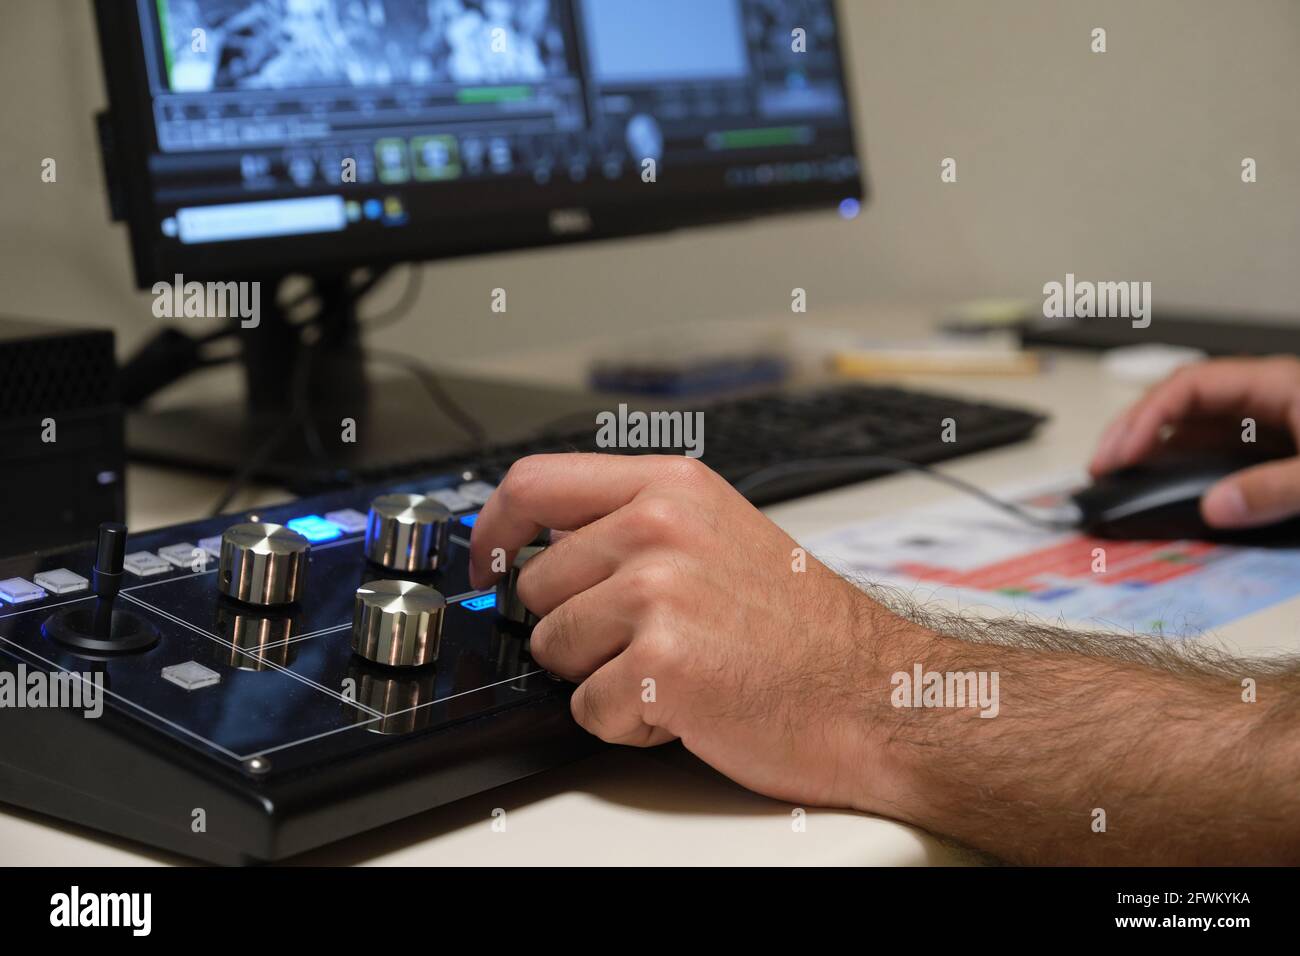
(662, 806)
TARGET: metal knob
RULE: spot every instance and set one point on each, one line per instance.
(397, 623)
(262, 564)
(508, 604)
(407, 532)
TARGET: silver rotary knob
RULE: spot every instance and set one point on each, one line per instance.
(508, 604)
(397, 623)
(262, 564)
(407, 532)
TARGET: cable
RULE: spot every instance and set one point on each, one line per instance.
(297, 412)
(425, 375)
(884, 463)
(414, 282)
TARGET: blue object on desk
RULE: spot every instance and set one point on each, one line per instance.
(705, 377)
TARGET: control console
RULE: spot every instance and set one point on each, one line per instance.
(288, 677)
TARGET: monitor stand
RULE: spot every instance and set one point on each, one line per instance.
(315, 416)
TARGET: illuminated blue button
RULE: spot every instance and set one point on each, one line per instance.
(315, 528)
(468, 520)
(484, 602)
(19, 591)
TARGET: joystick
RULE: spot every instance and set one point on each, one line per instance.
(110, 552)
(102, 630)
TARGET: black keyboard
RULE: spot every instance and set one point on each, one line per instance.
(743, 436)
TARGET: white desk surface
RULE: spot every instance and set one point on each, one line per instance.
(661, 807)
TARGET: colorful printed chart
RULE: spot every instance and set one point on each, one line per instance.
(966, 553)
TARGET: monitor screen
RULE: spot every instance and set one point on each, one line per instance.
(273, 136)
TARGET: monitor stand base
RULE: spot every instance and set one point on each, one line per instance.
(397, 429)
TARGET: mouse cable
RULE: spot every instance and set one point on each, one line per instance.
(884, 463)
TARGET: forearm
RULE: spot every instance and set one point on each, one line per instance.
(1155, 744)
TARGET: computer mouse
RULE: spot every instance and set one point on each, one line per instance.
(1161, 501)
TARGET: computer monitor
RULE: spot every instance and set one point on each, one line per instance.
(255, 139)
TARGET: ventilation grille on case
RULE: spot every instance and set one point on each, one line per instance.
(56, 373)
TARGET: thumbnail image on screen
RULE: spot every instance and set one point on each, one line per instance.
(215, 45)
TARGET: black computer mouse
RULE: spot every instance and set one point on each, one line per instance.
(1161, 501)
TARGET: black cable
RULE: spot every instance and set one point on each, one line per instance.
(297, 412)
(885, 463)
(427, 378)
(414, 282)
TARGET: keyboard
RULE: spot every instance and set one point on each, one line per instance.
(825, 425)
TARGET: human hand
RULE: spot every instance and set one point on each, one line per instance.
(683, 612)
(1204, 406)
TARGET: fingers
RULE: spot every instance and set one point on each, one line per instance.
(1255, 496)
(609, 704)
(583, 633)
(549, 491)
(582, 559)
(1263, 388)
(562, 492)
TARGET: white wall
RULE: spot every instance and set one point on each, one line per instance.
(1120, 165)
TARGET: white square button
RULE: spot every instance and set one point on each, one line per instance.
(477, 492)
(451, 500)
(347, 519)
(180, 555)
(144, 563)
(61, 581)
(191, 675)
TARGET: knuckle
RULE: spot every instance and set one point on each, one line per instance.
(654, 519)
(656, 652)
(684, 470)
(523, 477)
(650, 584)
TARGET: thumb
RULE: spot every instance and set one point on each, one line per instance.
(1259, 495)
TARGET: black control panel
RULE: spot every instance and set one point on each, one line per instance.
(287, 677)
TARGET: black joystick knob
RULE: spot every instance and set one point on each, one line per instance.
(110, 551)
(101, 630)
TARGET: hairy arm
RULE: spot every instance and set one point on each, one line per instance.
(683, 613)
(1149, 738)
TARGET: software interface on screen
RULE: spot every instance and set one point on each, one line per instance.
(296, 117)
